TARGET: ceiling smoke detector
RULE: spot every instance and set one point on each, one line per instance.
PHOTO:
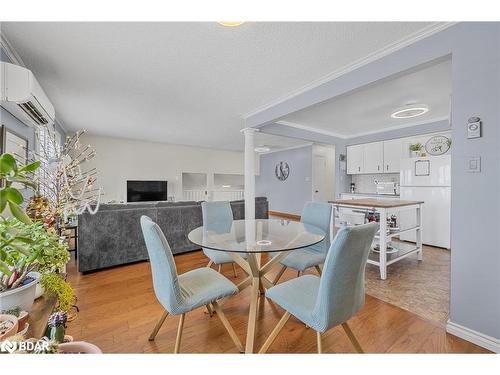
(409, 111)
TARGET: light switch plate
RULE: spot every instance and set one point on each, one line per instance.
(473, 164)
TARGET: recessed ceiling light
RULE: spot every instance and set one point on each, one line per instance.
(230, 23)
(409, 111)
(262, 149)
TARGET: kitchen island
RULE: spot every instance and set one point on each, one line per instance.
(384, 256)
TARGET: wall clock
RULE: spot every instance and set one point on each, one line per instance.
(282, 170)
(438, 145)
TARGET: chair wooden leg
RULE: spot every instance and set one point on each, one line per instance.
(220, 268)
(278, 276)
(318, 339)
(298, 273)
(158, 325)
(318, 269)
(209, 310)
(209, 265)
(228, 327)
(352, 338)
(234, 270)
(179, 334)
(274, 333)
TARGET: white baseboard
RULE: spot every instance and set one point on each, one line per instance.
(475, 337)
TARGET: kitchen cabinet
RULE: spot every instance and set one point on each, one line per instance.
(355, 159)
(373, 157)
(393, 152)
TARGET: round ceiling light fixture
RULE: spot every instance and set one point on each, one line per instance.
(262, 149)
(409, 111)
(230, 23)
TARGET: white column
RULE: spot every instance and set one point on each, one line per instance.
(249, 173)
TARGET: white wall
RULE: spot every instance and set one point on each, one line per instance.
(119, 160)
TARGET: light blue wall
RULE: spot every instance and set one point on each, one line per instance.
(475, 53)
(290, 195)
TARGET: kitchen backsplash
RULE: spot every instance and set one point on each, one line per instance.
(365, 183)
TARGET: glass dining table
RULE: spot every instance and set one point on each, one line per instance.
(245, 241)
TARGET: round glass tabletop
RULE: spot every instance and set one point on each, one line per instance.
(256, 236)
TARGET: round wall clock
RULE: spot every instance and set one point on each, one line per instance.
(438, 145)
(282, 170)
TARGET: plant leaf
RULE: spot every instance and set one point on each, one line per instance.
(13, 195)
(19, 214)
(7, 163)
(31, 167)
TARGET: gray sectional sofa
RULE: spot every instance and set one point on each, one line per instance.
(113, 235)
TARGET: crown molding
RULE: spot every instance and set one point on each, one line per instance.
(387, 50)
(396, 127)
(341, 136)
(310, 129)
(11, 52)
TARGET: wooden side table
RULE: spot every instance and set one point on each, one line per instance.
(71, 233)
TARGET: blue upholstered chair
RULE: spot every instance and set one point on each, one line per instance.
(332, 299)
(215, 213)
(180, 294)
(319, 215)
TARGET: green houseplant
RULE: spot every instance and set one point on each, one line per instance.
(415, 149)
(25, 247)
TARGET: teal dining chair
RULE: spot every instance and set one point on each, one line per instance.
(333, 298)
(318, 215)
(214, 213)
(180, 294)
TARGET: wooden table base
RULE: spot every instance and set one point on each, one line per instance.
(258, 283)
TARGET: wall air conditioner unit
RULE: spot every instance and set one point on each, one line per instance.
(23, 97)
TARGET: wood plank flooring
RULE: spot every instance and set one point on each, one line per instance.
(118, 310)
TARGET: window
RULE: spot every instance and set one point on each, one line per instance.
(47, 147)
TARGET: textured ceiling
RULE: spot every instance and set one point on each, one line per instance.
(185, 83)
(368, 109)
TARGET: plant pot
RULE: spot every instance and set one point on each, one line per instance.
(21, 297)
(415, 154)
(11, 328)
(39, 290)
(76, 347)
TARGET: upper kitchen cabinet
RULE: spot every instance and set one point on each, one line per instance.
(393, 152)
(373, 158)
(355, 159)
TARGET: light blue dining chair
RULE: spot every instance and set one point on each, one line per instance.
(332, 299)
(319, 215)
(213, 213)
(180, 294)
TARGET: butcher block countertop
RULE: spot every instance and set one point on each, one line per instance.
(376, 203)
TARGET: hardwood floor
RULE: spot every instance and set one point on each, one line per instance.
(118, 311)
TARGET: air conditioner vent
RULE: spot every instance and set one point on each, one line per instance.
(33, 113)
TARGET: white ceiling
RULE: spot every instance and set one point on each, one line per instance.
(185, 83)
(276, 142)
(368, 109)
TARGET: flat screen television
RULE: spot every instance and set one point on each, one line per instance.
(146, 191)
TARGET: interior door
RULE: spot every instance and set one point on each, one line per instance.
(319, 178)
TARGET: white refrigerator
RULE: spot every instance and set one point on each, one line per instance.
(427, 179)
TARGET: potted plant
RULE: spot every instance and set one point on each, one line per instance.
(25, 247)
(415, 149)
(56, 326)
